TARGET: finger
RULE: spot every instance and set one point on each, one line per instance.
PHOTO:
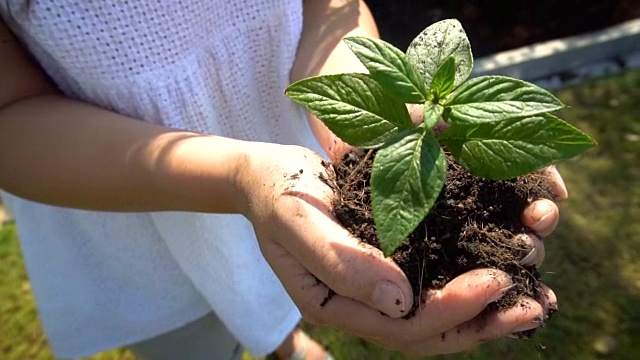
(338, 149)
(317, 304)
(548, 300)
(416, 112)
(536, 252)
(462, 298)
(341, 261)
(541, 216)
(527, 314)
(557, 184)
(459, 301)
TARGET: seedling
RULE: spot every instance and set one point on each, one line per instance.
(499, 127)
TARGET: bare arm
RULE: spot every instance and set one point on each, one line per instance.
(321, 51)
(62, 152)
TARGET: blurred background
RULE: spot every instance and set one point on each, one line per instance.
(593, 259)
(497, 25)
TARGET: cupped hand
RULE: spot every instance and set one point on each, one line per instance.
(541, 216)
(336, 280)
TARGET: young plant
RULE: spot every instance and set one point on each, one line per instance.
(499, 127)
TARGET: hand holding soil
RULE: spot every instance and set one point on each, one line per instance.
(290, 208)
(446, 203)
(338, 281)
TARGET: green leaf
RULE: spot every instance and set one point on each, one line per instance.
(406, 179)
(442, 83)
(493, 98)
(515, 146)
(431, 48)
(432, 113)
(390, 67)
(353, 106)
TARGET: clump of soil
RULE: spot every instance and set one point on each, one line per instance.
(472, 225)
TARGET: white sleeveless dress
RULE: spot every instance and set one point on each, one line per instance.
(103, 280)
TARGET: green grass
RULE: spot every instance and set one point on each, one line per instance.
(21, 336)
(593, 259)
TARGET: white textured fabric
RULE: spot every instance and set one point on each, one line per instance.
(103, 280)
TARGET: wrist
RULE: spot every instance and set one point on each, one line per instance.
(198, 173)
(254, 179)
(267, 171)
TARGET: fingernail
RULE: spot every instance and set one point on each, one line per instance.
(388, 298)
(547, 212)
(560, 187)
(546, 223)
(500, 293)
(530, 259)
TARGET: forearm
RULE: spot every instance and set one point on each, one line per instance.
(62, 152)
(321, 51)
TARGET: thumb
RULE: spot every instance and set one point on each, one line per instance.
(344, 264)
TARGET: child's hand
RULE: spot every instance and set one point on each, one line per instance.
(289, 206)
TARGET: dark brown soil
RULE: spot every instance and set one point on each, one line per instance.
(472, 225)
